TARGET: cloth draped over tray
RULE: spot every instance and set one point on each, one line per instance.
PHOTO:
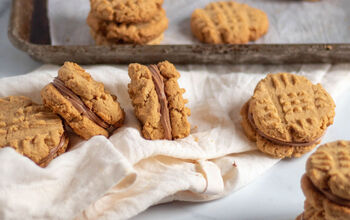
(119, 177)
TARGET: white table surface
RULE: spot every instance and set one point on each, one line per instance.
(275, 195)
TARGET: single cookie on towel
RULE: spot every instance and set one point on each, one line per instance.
(289, 115)
(82, 102)
(31, 129)
(158, 102)
(126, 11)
(228, 23)
(324, 203)
(136, 33)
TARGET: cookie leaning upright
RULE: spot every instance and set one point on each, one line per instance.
(127, 21)
(31, 129)
(158, 101)
(82, 102)
(289, 115)
(228, 23)
(326, 184)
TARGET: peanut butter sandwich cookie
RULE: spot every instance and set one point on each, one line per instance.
(82, 102)
(326, 184)
(228, 23)
(31, 129)
(125, 11)
(108, 33)
(158, 102)
(287, 115)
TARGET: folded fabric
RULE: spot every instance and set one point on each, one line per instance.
(119, 177)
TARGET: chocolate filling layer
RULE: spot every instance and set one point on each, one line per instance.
(78, 104)
(276, 141)
(54, 150)
(164, 110)
(336, 199)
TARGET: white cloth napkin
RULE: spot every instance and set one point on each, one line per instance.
(119, 177)
(300, 21)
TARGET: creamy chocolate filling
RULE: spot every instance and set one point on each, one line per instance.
(336, 199)
(78, 103)
(276, 141)
(164, 110)
(54, 150)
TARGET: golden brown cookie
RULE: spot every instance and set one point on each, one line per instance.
(140, 33)
(289, 108)
(125, 11)
(84, 103)
(31, 129)
(158, 102)
(228, 23)
(288, 114)
(329, 168)
(312, 213)
(102, 40)
(247, 128)
(281, 151)
(318, 200)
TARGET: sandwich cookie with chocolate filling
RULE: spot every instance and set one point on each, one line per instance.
(31, 129)
(158, 102)
(326, 184)
(82, 102)
(287, 115)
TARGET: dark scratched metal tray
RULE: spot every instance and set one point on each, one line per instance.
(29, 31)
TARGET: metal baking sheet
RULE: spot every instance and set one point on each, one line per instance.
(29, 30)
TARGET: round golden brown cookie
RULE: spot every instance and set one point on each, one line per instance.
(289, 108)
(126, 11)
(31, 129)
(247, 128)
(312, 213)
(329, 168)
(84, 103)
(158, 102)
(317, 200)
(102, 40)
(281, 151)
(228, 23)
(140, 33)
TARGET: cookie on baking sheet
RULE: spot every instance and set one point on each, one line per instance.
(126, 11)
(136, 33)
(158, 101)
(287, 115)
(228, 23)
(327, 205)
(31, 129)
(82, 102)
(100, 39)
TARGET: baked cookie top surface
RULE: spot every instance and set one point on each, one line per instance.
(140, 33)
(329, 168)
(92, 93)
(31, 129)
(148, 101)
(228, 23)
(126, 11)
(289, 108)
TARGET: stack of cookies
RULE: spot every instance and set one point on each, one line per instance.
(287, 115)
(326, 184)
(127, 21)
